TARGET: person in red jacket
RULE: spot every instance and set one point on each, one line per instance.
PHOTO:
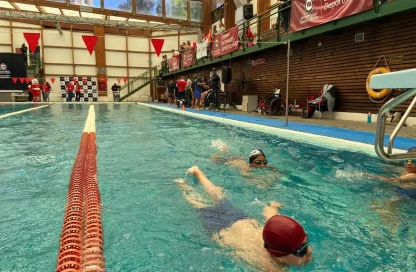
(78, 91)
(46, 89)
(36, 90)
(70, 90)
(181, 84)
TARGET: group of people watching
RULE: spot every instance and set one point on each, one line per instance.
(35, 90)
(192, 93)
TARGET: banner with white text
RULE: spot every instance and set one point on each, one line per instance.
(309, 13)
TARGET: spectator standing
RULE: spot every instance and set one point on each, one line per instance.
(188, 92)
(285, 12)
(181, 89)
(188, 45)
(23, 48)
(171, 92)
(114, 89)
(78, 91)
(70, 89)
(221, 28)
(30, 92)
(46, 89)
(215, 84)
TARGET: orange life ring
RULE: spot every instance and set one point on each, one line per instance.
(373, 94)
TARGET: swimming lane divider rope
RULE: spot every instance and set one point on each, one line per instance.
(21, 111)
(81, 244)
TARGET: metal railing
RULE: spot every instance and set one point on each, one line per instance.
(397, 80)
(137, 83)
(381, 127)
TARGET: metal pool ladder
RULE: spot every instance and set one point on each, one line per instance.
(396, 80)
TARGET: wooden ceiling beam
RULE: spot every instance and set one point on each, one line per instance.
(15, 6)
(85, 27)
(106, 12)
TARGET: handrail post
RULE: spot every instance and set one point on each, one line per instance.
(259, 19)
(244, 35)
(278, 24)
(381, 126)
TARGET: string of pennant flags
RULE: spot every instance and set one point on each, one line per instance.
(26, 80)
(32, 40)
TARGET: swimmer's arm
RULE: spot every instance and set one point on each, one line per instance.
(217, 156)
(271, 210)
(392, 180)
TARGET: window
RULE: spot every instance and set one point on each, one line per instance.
(196, 11)
(177, 9)
(149, 7)
(122, 5)
(217, 14)
(87, 3)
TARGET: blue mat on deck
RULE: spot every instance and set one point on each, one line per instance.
(340, 133)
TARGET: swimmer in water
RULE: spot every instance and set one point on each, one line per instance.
(407, 181)
(282, 241)
(256, 159)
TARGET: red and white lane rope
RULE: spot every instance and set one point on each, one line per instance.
(81, 244)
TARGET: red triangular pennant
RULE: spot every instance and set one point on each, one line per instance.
(90, 42)
(158, 45)
(125, 80)
(14, 79)
(28, 80)
(52, 80)
(21, 79)
(32, 40)
(119, 80)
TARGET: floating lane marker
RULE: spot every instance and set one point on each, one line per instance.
(21, 111)
(81, 244)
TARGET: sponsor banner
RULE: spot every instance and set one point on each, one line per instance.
(225, 42)
(188, 58)
(310, 13)
(202, 50)
(174, 64)
(12, 67)
(258, 62)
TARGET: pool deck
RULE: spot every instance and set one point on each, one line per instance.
(346, 130)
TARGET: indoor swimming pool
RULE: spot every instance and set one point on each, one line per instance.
(354, 223)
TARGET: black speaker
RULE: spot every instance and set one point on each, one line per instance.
(248, 11)
(226, 75)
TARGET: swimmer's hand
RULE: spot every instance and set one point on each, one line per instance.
(272, 209)
(224, 148)
(193, 170)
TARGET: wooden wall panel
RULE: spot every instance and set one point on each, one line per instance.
(100, 59)
(339, 60)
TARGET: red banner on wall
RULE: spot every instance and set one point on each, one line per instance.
(225, 42)
(310, 13)
(188, 57)
(174, 63)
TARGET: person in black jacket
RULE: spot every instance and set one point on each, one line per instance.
(24, 52)
(215, 85)
(115, 89)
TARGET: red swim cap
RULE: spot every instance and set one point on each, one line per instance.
(282, 235)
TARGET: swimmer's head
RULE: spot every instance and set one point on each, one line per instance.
(285, 239)
(410, 167)
(257, 158)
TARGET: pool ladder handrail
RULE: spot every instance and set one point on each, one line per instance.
(403, 80)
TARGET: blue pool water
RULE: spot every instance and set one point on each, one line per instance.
(352, 221)
(9, 108)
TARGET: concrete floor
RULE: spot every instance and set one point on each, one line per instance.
(408, 132)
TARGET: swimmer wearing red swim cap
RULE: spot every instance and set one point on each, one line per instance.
(281, 242)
